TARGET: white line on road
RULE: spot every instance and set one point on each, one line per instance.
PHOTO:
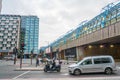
(118, 67)
(65, 74)
(21, 74)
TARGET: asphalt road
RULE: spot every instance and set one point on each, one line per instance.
(7, 71)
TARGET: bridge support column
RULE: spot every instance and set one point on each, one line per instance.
(80, 53)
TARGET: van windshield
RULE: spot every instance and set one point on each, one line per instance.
(78, 62)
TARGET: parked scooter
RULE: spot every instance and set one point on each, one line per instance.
(49, 67)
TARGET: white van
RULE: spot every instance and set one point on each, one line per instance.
(93, 64)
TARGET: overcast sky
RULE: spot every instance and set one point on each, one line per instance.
(56, 16)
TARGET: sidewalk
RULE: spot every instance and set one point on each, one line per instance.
(29, 67)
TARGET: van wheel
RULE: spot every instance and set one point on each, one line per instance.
(108, 71)
(77, 72)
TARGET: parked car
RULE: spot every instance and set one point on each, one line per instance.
(9, 57)
(93, 64)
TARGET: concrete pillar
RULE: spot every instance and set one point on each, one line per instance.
(0, 6)
(80, 53)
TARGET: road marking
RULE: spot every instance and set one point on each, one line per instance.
(118, 67)
(65, 74)
(21, 74)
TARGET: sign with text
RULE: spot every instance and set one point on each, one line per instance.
(70, 53)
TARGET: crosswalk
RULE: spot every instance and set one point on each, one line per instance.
(65, 74)
(118, 67)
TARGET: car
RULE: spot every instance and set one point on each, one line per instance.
(93, 64)
(9, 57)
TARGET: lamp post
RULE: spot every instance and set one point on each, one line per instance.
(49, 49)
(67, 51)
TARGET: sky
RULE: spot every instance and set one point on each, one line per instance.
(57, 17)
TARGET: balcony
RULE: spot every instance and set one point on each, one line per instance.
(1, 39)
(5, 37)
(4, 42)
(2, 28)
(14, 32)
(13, 36)
(1, 34)
(8, 45)
(10, 29)
(2, 23)
(14, 26)
(13, 43)
(0, 45)
(6, 31)
(4, 48)
(9, 34)
(8, 39)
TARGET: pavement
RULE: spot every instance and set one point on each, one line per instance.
(29, 67)
(92, 78)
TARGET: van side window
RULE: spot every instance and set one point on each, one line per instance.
(97, 60)
(106, 60)
(87, 62)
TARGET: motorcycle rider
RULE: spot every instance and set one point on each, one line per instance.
(53, 64)
(48, 65)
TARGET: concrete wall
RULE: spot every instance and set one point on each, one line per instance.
(80, 52)
(106, 50)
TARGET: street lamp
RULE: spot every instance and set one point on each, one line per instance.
(49, 49)
(67, 51)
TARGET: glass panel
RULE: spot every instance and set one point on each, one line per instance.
(87, 62)
(97, 61)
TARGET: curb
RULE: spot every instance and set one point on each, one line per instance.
(28, 69)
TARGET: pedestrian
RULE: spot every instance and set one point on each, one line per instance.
(37, 61)
(15, 51)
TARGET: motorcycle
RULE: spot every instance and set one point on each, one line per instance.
(55, 68)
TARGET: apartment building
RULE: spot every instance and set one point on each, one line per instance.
(17, 29)
(9, 32)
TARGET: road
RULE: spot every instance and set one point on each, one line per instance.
(7, 71)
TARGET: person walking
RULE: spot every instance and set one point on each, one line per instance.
(15, 51)
(37, 61)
